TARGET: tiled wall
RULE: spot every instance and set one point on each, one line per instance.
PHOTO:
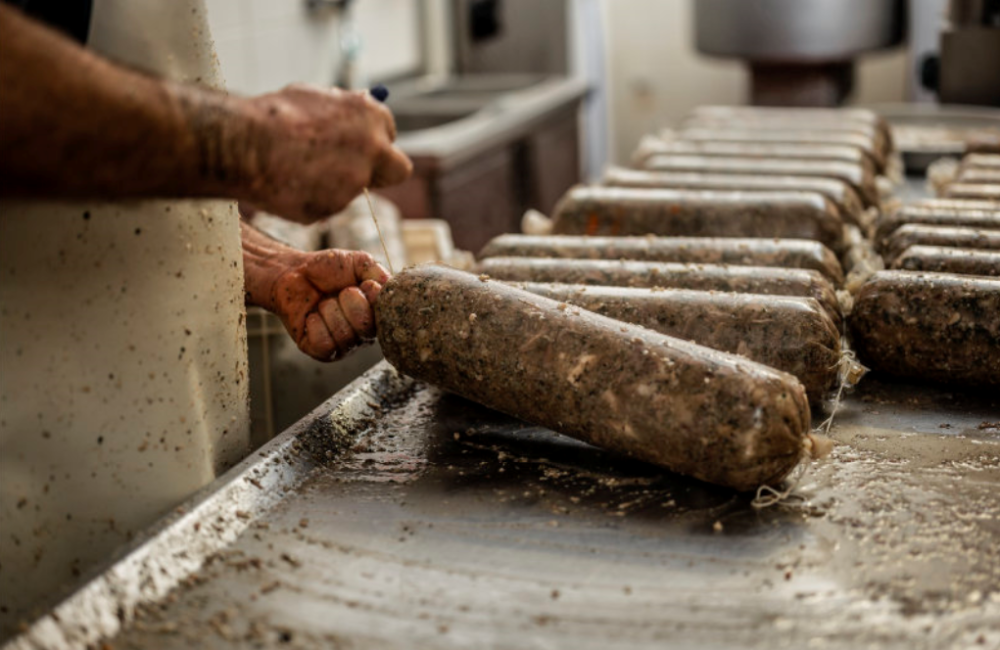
(266, 44)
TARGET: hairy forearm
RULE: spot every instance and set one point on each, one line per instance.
(75, 125)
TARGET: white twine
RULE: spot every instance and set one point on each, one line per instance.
(849, 373)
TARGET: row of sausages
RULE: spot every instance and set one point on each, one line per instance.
(936, 316)
(976, 178)
(686, 312)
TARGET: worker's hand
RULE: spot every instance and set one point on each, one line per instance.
(311, 150)
(324, 298)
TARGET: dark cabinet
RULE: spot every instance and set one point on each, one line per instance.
(486, 193)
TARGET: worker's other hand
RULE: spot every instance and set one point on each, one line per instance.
(325, 300)
(311, 150)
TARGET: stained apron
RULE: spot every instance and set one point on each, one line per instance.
(123, 362)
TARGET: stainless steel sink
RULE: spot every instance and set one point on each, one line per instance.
(478, 89)
(430, 102)
(450, 118)
(485, 148)
(418, 120)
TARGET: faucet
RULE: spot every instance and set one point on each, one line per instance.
(350, 42)
(348, 74)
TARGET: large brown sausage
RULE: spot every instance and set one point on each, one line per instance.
(934, 216)
(847, 200)
(861, 178)
(743, 251)
(936, 326)
(620, 211)
(921, 235)
(697, 411)
(791, 334)
(703, 277)
(965, 261)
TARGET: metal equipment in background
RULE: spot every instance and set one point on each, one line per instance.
(800, 52)
(969, 69)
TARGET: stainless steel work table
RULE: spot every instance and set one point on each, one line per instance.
(396, 516)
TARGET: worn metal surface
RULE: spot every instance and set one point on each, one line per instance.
(401, 517)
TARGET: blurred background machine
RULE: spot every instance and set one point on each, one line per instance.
(803, 53)
(969, 68)
(798, 53)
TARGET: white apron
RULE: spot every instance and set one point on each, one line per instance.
(123, 364)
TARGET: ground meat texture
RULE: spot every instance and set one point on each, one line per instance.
(866, 141)
(791, 334)
(619, 211)
(860, 178)
(649, 147)
(965, 261)
(703, 277)
(934, 326)
(715, 416)
(934, 216)
(743, 251)
(848, 202)
(981, 191)
(920, 235)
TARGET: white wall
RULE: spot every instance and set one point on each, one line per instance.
(656, 76)
(266, 44)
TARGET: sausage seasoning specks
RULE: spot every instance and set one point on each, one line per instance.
(714, 416)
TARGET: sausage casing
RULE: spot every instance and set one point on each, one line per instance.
(703, 277)
(697, 411)
(792, 117)
(652, 146)
(920, 235)
(865, 139)
(788, 333)
(979, 191)
(743, 251)
(861, 178)
(943, 259)
(956, 204)
(618, 211)
(981, 161)
(935, 326)
(847, 200)
(934, 216)
(978, 175)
